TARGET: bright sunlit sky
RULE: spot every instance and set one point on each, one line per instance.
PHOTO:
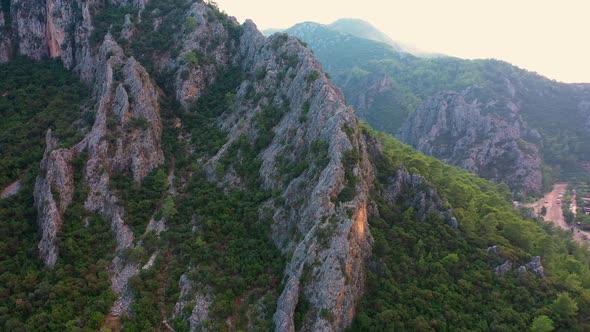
(550, 37)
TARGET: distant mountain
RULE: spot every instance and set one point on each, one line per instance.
(539, 121)
(363, 29)
(337, 50)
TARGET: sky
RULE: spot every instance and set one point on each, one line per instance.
(549, 37)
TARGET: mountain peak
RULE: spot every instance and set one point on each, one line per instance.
(363, 29)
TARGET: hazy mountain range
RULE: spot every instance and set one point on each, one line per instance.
(504, 113)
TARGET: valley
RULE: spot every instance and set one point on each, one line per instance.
(553, 202)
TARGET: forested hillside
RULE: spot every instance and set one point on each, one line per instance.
(183, 172)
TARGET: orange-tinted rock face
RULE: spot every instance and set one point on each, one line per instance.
(55, 35)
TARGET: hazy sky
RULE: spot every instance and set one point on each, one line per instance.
(550, 37)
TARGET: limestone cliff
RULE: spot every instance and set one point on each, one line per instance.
(464, 134)
(53, 194)
(332, 264)
(319, 214)
(52, 28)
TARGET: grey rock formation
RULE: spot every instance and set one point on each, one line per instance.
(113, 148)
(536, 267)
(134, 148)
(454, 223)
(54, 190)
(121, 272)
(505, 265)
(504, 268)
(459, 133)
(51, 28)
(417, 193)
(210, 44)
(200, 312)
(6, 50)
(336, 263)
(29, 26)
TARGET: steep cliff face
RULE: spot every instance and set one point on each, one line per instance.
(333, 266)
(327, 239)
(449, 128)
(53, 194)
(52, 28)
(208, 45)
(29, 28)
(114, 145)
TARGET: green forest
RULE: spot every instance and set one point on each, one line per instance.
(431, 277)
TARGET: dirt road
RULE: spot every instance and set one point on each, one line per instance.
(555, 214)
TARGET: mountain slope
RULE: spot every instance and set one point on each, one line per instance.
(386, 87)
(224, 184)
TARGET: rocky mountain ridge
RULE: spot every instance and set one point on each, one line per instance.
(127, 135)
(386, 87)
(218, 156)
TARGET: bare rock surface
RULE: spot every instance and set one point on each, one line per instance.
(336, 263)
(200, 313)
(53, 194)
(459, 133)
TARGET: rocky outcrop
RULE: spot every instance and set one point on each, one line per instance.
(459, 133)
(496, 257)
(54, 190)
(199, 314)
(535, 266)
(503, 268)
(205, 53)
(6, 50)
(29, 28)
(417, 193)
(125, 136)
(53, 28)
